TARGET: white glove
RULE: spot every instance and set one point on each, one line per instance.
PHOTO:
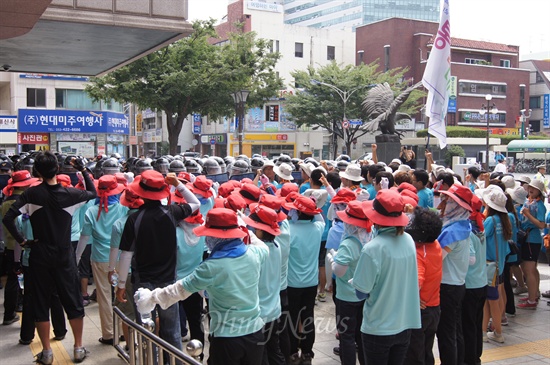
(145, 302)
(330, 257)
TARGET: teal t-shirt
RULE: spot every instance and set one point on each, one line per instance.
(426, 198)
(270, 302)
(387, 271)
(348, 255)
(283, 240)
(455, 264)
(494, 234)
(304, 187)
(232, 286)
(189, 254)
(476, 277)
(303, 261)
(371, 190)
(537, 210)
(101, 230)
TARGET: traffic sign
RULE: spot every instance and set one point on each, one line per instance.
(355, 122)
(345, 124)
(213, 141)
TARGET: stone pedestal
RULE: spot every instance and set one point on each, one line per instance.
(389, 147)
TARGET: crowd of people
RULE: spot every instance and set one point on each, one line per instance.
(253, 244)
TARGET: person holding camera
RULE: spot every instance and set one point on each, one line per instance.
(408, 157)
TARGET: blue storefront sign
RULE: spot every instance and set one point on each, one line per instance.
(451, 108)
(74, 121)
(197, 123)
(546, 111)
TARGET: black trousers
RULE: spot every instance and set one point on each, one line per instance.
(272, 349)
(282, 324)
(11, 291)
(191, 308)
(248, 349)
(349, 321)
(449, 330)
(27, 320)
(472, 318)
(301, 303)
(420, 350)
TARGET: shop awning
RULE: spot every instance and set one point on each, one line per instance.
(529, 145)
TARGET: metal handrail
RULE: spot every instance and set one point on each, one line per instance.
(145, 341)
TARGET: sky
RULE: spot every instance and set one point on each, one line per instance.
(524, 23)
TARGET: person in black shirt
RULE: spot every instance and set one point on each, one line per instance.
(52, 262)
(149, 237)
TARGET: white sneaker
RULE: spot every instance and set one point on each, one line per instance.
(80, 354)
(497, 337)
(44, 359)
(520, 290)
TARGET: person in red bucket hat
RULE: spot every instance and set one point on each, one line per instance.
(132, 201)
(387, 261)
(263, 222)
(230, 276)
(98, 224)
(306, 230)
(250, 193)
(17, 184)
(149, 236)
(455, 242)
(286, 189)
(357, 232)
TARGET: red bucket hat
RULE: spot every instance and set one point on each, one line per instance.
(287, 189)
(461, 195)
(150, 185)
(272, 202)
(107, 186)
(354, 215)
(304, 205)
(250, 192)
(184, 177)
(19, 179)
(386, 209)
(234, 202)
(201, 186)
(344, 195)
(64, 180)
(263, 218)
(176, 197)
(130, 199)
(226, 188)
(221, 223)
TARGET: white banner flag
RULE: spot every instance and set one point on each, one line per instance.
(437, 77)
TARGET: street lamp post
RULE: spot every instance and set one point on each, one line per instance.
(488, 109)
(239, 97)
(523, 118)
(344, 95)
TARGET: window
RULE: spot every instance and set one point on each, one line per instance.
(331, 53)
(471, 87)
(539, 78)
(505, 63)
(475, 61)
(270, 46)
(276, 46)
(534, 102)
(36, 97)
(79, 100)
(298, 50)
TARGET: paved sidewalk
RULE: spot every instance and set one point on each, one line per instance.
(527, 338)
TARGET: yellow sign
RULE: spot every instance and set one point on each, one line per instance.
(264, 137)
(42, 147)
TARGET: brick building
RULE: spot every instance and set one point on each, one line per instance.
(479, 68)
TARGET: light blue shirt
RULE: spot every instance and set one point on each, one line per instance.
(426, 198)
(348, 255)
(492, 236)
(232, 285)
(476, 277)
(101, 230)
(270, 301)
(455, 264)
(387, 271)
(304, 187)
(189, 256)
(371, 190)
(538, 211)
(283, 240)
(303, 262)
(334, 236)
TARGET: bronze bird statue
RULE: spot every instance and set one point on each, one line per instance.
(380, 107)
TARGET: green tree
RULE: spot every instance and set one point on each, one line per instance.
(453, 150)
(320, 106)
(194, 76)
